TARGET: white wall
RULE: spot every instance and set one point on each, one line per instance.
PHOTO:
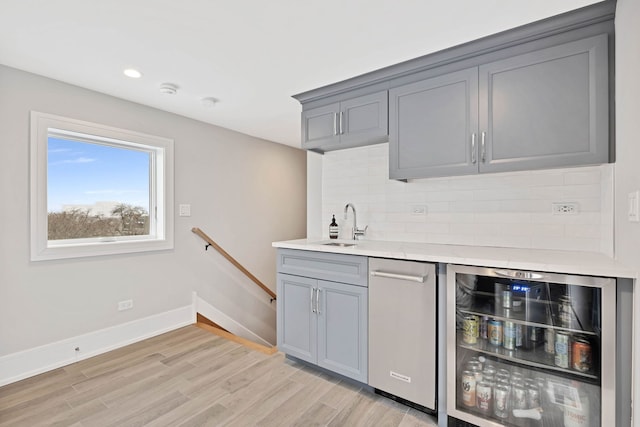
(244, 192)
(502, 209)
(627, 169)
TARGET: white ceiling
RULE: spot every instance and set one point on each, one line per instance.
(252, 55)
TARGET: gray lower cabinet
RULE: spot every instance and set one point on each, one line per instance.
(320, 321)
(543, 109)
(353, 122)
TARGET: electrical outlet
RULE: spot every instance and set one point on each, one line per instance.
(418, 210)
(564, 208)
(125, 305)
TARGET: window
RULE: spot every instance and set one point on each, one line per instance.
(98, 190)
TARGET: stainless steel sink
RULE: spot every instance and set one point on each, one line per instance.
(342, 245)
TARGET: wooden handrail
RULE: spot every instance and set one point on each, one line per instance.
(233, 261)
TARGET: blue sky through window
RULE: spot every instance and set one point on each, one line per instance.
(82, 173)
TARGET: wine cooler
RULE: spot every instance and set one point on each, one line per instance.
(530, 349)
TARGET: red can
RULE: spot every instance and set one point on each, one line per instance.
(581, 355)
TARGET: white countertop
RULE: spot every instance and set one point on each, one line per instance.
(568, 262)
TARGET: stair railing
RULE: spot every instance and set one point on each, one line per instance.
(233, 261)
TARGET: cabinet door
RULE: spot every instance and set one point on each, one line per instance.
(342, 329)
(320, 126)
(547, 108)
(364, 120)
(433, 125)
(296, 320)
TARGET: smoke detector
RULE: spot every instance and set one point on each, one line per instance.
(168, 88)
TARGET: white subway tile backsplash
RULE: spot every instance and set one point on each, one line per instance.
(428, 227)
(582, 177)
(582, 191)
(510, 209)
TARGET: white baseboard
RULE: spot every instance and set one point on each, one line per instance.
(27, 363)
(215, 315)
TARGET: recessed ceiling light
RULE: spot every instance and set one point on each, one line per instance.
(209, 102)
(168, 88)
(133, 73)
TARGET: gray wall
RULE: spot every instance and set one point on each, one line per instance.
(244, 192)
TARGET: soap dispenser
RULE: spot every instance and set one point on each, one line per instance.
(333, 228)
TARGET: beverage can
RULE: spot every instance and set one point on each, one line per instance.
(468, 382)
(476, 369)
(562, 349)
(495, 332)
(509, 335)
(501, 401)
(535, 335)
(470, 330)
(519, 335)
(533, 397)
(506, 298)
(518, 397)
(484, 397)
(488, 378)
(581, 355)
(484, 327)
(565, 311)
(549, 341)
(578, 416)
(478, 360)
(489, 370)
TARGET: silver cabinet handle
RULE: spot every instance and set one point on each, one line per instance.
(482, 147)
(516, 274)
(335, 123)
(318, 290)
(419, 279)
(473, 148)
(313, 305)
(341, 119)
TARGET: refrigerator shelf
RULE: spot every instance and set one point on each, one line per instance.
(517, 318)
(536, 358)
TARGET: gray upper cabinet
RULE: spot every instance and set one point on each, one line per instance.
(432, 123)
(543, 109)
(547, 108)
(532, 97)
(353, 122)
(320, 127)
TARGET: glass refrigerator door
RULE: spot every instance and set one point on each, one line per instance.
(530, 349)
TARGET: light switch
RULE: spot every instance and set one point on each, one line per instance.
(184, 210)
(634, 213)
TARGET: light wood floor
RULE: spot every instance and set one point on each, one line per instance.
(190, 377)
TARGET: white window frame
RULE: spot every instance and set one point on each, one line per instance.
(161, 216)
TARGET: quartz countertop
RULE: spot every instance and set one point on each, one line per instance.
(554, 261)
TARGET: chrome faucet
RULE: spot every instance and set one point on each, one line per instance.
(356, 232)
